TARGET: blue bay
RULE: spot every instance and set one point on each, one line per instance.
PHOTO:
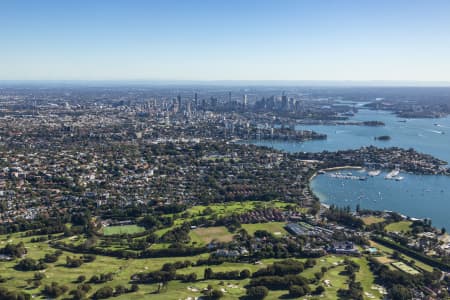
(421, 196)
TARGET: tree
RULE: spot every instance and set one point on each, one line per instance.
(211, 293)
(396, 255)
(296, 291)
(319, 290)
(244, 274)
(208, 273)
(310, 263)
(399, 292)
(54, 290)
(216, 294)
(192, 277)
(50, 258)
(318, 275)
(257, 292)
(39, 276)
(103, 293)
(73, 262)
(134, 288)
(29, 264)
(85, 287)
(13, 295)
(16, 251)
(119, 290)
(78, 294)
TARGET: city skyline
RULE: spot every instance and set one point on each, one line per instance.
(222, 41)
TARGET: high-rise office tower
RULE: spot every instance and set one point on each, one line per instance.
(179, 101)
(284, 101)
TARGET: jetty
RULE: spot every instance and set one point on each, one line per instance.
(346, 176)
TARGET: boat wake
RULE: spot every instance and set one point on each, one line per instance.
(436, 131)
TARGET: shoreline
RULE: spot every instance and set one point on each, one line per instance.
(406, 216)
(341, 168)
(333, 169)
(327, 170)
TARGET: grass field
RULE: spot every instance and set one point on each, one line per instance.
(222, 209)
(405, 268)
(384, 260)
(337, 280)
(123, 269)
(276, 228)
(372, 220)
(158, 246)
(205, 235)
(404, 226)
(388, 251)
(160, 232)
(125, 229)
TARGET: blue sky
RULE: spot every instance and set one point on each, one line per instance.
(225, 40)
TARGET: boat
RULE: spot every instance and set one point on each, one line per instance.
(374, 173)
(343, 176)
(437, 131)
(392, 174)
(399, 178)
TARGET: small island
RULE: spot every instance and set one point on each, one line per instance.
(373, 123)
(382, 138)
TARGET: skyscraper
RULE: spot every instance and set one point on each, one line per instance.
(284, 101)
(179, 101)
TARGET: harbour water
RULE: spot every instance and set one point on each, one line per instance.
(420, 196)
(431, 136)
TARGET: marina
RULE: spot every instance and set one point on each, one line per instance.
(347, 176)
(414, 195)
(419, 196)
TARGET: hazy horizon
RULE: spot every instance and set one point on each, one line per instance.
(238, 83)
